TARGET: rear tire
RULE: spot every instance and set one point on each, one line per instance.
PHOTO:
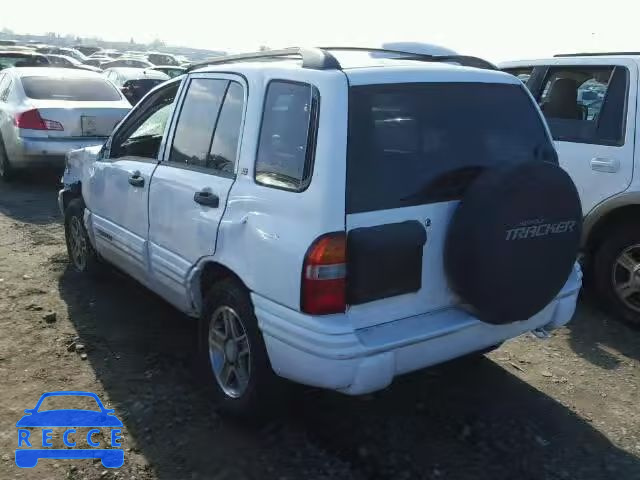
(232, 355)
(616, 273)
(82, 255)
(7, 173)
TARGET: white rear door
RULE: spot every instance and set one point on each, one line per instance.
(190, 187)
(591, 110)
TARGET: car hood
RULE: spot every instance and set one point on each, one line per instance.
(69, 418)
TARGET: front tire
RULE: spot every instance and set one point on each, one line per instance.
(616, 272)
(232, 353)
(82, 255)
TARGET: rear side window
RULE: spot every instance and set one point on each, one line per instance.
(586, 104)
(287, 136)
(72, 89)
(412, 144)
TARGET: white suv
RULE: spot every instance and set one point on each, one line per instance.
(590, 103)
(336, 218)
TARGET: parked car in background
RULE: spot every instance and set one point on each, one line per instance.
(158, 58)
(135, 82)
(64, 61)
(21, 48)
(45, 112)
(87, 49)
(414, 212)
(107, 52)
(170, 70)
(128, 62)
(590, 103)
(97, 61)
(21, 59)
(70, 52)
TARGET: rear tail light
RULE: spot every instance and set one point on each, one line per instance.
(324, 275)
(32, 120)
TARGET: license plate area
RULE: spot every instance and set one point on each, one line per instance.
(89, 126)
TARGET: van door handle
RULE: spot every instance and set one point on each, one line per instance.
(207, 198)
(136, 179)
(606, 165)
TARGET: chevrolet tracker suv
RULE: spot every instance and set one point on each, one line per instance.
(334, 217)
(590, 103)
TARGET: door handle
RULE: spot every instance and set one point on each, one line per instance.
(136, 179)
(207, 198)
(606, 165)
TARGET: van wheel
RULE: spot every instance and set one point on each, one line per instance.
(234, 359)
(81, 253)
(6, 170)
(616, 270)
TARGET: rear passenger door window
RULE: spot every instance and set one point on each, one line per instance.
(586, 104)
(197, 121)
(224, 146)
(287, 136)
(208, 129)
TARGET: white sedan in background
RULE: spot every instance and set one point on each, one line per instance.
(46, 112)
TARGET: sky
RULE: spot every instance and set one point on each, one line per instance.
(494, 29)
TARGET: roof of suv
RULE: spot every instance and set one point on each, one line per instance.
(360, 63)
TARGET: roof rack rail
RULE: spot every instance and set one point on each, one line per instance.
(321, 58)
(595, 54)
(464, 60)
(313, 58)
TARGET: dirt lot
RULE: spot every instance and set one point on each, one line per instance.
(565, 408)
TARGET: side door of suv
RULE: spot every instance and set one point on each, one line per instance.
(591, 110)
(118, 189)
(189, 188)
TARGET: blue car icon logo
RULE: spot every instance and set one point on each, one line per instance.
(31, 447)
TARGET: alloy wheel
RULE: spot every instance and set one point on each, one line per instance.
(625, 277)
(229, 351)
(77, 243)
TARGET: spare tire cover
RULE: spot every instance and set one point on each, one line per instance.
(513, 240)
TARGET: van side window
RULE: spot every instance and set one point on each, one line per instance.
(586, 104)
(287, 136)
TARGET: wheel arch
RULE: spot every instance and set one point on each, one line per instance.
(596, 229)
(70, 192)
(207, 273)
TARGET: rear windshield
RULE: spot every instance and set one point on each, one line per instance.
(411, 144)
(72, 89)
(18, 60)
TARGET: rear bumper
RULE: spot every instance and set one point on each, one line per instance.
(47, 152)
(316, 351)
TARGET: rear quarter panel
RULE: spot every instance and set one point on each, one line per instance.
(265, 232)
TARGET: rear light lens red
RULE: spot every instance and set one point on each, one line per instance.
(32, 120)
(324, 275)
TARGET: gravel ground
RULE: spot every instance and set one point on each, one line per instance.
(564, 408)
